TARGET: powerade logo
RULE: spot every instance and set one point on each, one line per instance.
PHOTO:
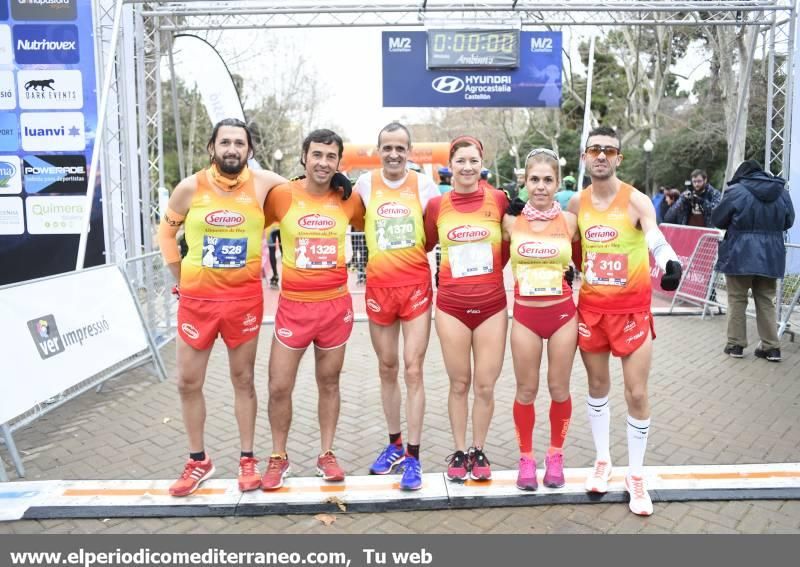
(49, 342)
(54, 174)
(44, 9)
(38, 44)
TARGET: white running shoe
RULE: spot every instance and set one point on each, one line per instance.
(597, 481)
(640, 503)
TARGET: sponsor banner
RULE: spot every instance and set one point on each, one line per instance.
(11, 219)
(10, 178)
(683, 240)
(4, 11)
(38, 44)
(54, 215)
(51, 10)
(62, 330)
(408, 82)
(8, 97)
(41, 89)
(52, 131)
(9, 132)
(54, 174)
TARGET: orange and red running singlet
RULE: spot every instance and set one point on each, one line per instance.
(313, 231)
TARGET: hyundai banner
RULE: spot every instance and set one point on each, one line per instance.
(48, 118)
(408, 82)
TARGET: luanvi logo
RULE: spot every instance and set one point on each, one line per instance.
(50, 342)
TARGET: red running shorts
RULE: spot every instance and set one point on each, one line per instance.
(621, 334)
(200, 321)
(327, 323)
(385, 305)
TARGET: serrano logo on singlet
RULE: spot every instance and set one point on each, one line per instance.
(537, 250)
(224, 218)
(392, 210)
(601, 233)
(316, 222)
(467, 233)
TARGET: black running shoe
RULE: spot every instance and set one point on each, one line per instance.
(735, 351)
(773, 354)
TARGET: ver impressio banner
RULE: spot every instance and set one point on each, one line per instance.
(48, 117)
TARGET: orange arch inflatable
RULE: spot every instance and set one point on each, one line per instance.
(365, 156)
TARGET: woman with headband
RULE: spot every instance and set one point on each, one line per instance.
(541, 245)
(471, 318)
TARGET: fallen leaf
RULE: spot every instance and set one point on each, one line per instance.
(326, 519)
(335, 500)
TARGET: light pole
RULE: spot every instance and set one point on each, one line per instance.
(277, 156)
(648, 149)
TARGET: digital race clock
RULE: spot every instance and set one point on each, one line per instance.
(473, 49)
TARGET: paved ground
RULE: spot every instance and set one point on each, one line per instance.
(707, 409)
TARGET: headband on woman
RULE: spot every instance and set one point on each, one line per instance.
(473, 141)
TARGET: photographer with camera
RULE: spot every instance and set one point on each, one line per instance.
(696, 203)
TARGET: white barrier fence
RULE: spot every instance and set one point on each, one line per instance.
(63, 335)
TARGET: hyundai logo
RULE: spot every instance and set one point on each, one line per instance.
(447, 84)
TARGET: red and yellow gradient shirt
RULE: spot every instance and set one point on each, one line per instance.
(468, 228)
(540, 258)
(395, 234)
(313, 231)
(223, 232)
(616, 265)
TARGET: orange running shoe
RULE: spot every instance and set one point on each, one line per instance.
(194, 473)
(328, 468)
(249, 477)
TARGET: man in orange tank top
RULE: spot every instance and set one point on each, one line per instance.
(220, 280)
(315, 306)
(617, 225)
(399, 293)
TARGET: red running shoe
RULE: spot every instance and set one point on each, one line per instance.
(277, 469)
(249, 477)
(194, 473)
(479, 467)
(328, 468)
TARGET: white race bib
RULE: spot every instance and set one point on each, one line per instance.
(472, 259)
(542, 279)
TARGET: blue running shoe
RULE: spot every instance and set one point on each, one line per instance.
(391, 456)
(412, 475)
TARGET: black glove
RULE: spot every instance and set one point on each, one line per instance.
(569, 275)
(341, 182)
(515, 207)
(672, 276)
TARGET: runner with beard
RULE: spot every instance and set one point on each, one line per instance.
(219, 289)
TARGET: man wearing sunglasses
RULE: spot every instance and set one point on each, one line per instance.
(617, 225)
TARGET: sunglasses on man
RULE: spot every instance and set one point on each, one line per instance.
(610, 151)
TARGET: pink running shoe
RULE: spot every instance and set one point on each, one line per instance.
(457, 467)
(526, 477)
(479, 466)
(554, 471)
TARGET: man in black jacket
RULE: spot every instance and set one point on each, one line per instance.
(695, 206)
(755, 212)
